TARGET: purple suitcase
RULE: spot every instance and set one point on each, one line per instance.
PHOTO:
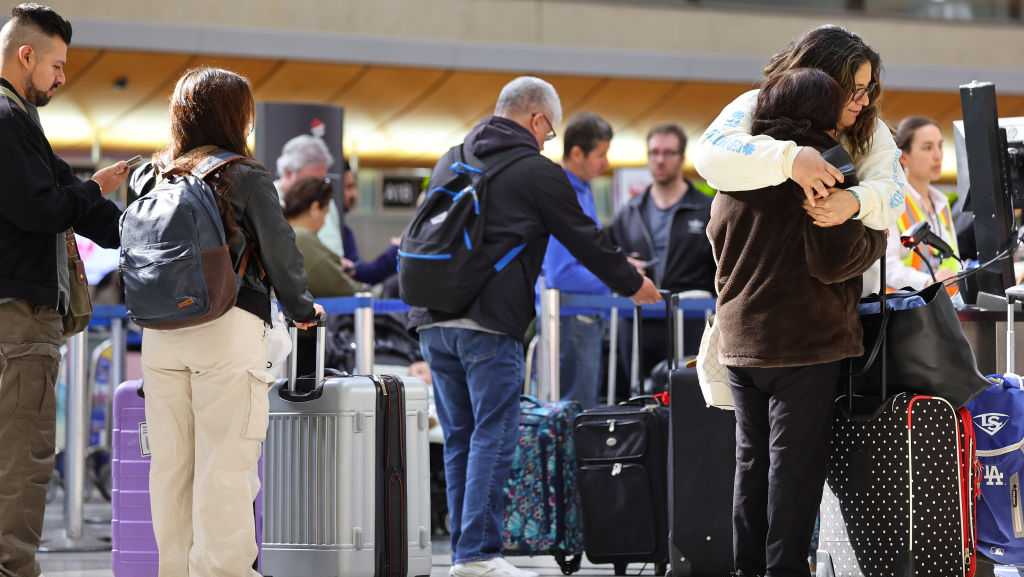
(134, 546)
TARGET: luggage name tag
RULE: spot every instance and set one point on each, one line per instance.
(144, 439)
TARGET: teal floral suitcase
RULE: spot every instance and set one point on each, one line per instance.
(542, 506)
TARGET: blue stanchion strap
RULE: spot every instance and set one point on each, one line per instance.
(574, 304)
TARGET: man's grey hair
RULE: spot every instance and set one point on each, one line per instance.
(527, 95)
(302, 151)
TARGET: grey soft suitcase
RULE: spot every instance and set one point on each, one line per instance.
(346, 477)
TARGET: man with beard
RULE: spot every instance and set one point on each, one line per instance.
(40, 199)
(663, 232)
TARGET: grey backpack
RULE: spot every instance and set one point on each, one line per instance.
(175, 264)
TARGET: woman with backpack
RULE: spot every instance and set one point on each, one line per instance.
(206, 385)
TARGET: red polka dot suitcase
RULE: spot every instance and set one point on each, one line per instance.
(902, 484)
(900, 494)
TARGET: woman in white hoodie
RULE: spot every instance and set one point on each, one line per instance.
(731, 159)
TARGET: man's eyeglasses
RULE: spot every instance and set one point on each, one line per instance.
(860, 93)
(667, 153)
(551, 134)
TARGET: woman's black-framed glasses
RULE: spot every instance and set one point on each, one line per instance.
(860, 93)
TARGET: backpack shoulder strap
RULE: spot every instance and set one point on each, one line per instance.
(213, 160)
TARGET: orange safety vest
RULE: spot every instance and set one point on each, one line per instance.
(913, 215)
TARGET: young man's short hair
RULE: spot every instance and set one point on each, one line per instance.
(586, 130)
(44, 18)
(673, 129)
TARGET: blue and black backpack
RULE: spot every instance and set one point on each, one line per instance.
(443, 262)
(175, 262)
(998, 414)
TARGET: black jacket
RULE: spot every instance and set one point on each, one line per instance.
(526, 203)
(689, 265)
(258, 212)
(39, 198)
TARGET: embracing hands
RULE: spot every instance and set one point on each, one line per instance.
(838, 207)
(824, 203)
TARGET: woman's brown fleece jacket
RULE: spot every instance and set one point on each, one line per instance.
(787, 289)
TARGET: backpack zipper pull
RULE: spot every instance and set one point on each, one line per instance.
(616, 469)
(611, 426)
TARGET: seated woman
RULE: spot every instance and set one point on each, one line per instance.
(305, 206)
(787, 313)
(920, 143)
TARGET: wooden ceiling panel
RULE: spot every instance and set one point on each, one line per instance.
(307, 81)
(255, 69)
(691, 104)
(103, 102)
(459, 99)
(620, 100)
(79, 59)
(382, 91)
(398, 114)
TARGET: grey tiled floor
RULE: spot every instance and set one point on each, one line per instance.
(98, 564)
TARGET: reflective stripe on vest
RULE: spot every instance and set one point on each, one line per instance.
(913, 215)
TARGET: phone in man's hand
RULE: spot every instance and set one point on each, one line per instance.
(135, 161)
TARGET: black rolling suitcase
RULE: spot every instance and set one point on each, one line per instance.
(622, 455)
(898, 501)
(702, 464)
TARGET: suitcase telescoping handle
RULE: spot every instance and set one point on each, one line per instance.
(1014, 295)
(321, 353)
(672, 330)
(635, 385)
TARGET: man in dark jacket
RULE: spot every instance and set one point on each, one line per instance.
(663, 232)
(476, 358)
(40, 199)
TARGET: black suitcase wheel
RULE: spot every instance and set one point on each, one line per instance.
(660, 568)
(569, 565)
(620, 568)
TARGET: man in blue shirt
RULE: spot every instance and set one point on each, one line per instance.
(587, 138)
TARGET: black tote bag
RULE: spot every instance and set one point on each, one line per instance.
(928, 353)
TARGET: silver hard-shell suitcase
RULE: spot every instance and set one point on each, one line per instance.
(324, 467)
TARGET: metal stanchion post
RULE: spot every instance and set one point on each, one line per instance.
(550, 383)
(679, 335)
(73, 539)
(364, 337)
(635, 387)
(613, 353)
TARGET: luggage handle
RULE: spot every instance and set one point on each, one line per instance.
(643, 401)
(321, 353)
(671, 306)
(635, 385)
(1013, 294)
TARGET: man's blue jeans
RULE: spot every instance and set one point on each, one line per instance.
(478, 377)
